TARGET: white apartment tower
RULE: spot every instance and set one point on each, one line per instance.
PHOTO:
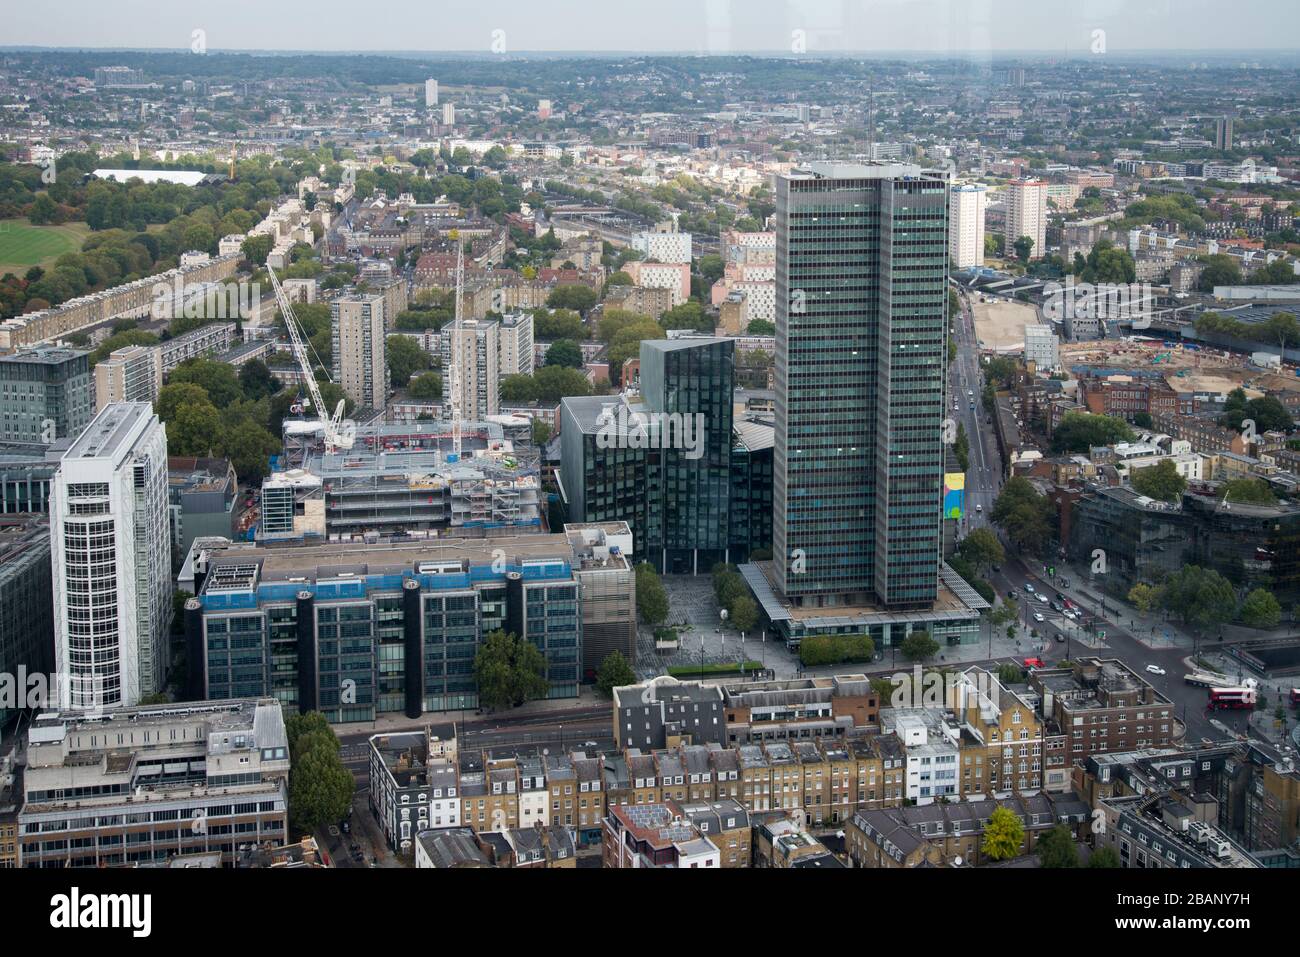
(360, 361)
(966, 205)
(1026, 215)
(664, 247)
(516, 336)
(111, 554)
(430, 93)
(473, 392)
(449, 114)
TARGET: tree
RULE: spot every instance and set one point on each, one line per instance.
(249, 447)
(981, 548)
(541, 431)
(761, 327)
(1201, 596)
(509, 670)
(1056, 848)
(1003, 835)
(614, 672)
(919, 646)
(1261, 609)
(256, 381)
(1161, 481)
(426, 385)
(1144, 596)
(564, 352)
(578, 298)
(553, 383)
(320, 787)
(1220, 270)
(1025, 515)
(405, 358)
(1268, 414)
(256, 249)
(743, 613)
(1247, 491)
(651, 598)
(1023, 247)
(194, 429)
(1104, 857)
(558, 324)
(1080, 431)
(689, 315)
(177, 395)
(218, 379)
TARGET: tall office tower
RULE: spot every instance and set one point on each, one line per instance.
(1223, 133)
(27, 608)
(1026, 215)
(45, 394)
(861, 297)
(110, 545)
(430, 92)
(360, 362)
(449, 114)
(475, 348)
(966, 205)
(693, 379)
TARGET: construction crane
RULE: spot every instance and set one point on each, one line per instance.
(335, 434)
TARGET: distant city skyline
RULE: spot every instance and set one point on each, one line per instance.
(955, 27)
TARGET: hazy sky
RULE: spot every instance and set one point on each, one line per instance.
(686, 26)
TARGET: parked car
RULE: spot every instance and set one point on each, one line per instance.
(1065, 583)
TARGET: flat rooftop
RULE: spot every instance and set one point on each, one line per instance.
(113, 426)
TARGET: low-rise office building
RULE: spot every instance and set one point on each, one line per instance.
(135, 785)
(361, 630)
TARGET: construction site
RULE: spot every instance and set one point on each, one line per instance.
(405, 479)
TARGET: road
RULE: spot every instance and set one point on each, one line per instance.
(1058, 635)
(965, 385)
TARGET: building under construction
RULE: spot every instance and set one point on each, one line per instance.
(403, 479)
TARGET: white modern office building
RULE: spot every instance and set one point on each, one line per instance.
(430, 92)
(111, 556)
(966, 204)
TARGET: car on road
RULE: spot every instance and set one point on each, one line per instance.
(1033, 662)
(1155, 669)
(1038, 616)
(979, 508)
(346, 827)
(1060, 596)
(1056, 607)
(1029, 588)
(590, 744)
(1071, 615)
(1011, 595)
(1060, 638)
(1069, 604)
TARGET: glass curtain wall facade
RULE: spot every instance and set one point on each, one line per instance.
(861, 286)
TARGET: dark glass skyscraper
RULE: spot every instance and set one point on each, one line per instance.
(861, 330)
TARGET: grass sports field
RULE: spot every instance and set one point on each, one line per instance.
(23, 246)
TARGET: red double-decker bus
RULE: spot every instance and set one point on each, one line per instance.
(1235, 698)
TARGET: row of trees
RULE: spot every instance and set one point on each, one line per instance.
(1025, 515)
(733, 594)
(1204, 600)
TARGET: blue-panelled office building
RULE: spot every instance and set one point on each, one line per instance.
(355, 631)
